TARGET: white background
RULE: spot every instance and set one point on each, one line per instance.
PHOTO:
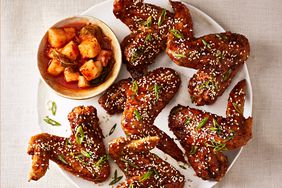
(23, 23)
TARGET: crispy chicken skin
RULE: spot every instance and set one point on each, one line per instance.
(113, 100)
(149, 25)
(144, 97)
(83, 153)
(142, 168)
(204, 135)
(218, 57)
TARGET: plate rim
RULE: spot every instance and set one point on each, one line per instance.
(210, 19)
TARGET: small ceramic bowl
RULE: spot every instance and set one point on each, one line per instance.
(87, 92)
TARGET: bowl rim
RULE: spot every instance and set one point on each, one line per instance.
(117, 50)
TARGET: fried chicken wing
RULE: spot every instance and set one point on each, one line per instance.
(151, 93)
(142, 168)
(83, 153)
(204, 135)
(149, 25)
(146, 97)
(218, 57)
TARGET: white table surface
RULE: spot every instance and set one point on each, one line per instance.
(23, 22)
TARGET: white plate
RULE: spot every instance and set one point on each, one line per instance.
(203, 24)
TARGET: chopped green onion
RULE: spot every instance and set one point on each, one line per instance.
(177, 33)
(220, 147)
(213, 129)
(137, 115)
(218, 36)
(146, 176)
(156, 90)
(178, 56)
(235, 105)
(227, 74)
(115, 178)
(148, 23)
(183, 167)
(101, 161)
(51, 121)
(68, 142)
(162, 18)
(214, 122)
(203, 122)
(148, 37)
(131, 185)
(61, 158)
(134, 87)
(187, 121)
(112, 129)
(193, 150)
(85, 153)
(79, 135)
(80, 159)
(217, 145)
(206, 44)
(52, 107)
(129, 163)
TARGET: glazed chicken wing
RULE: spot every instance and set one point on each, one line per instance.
(218, 57)
(204, 135)
(142, 168)
(142, 100)
(149, 25)
(83, 153)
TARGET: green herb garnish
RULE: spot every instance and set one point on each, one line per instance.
(51, 121)
(206, 44)
(217, 145)
(203, 122)
(216, 127)
(79, 135)
(193, 150)
(52, 107)
(116, 178)
(129, 163)
(236, 107)
(85, 153)
(101, 161)
(148, 37)
(218, 36)
(157, 91)
(183, 167)
(131, 185)
(227, 74)
(148, 22)
(187, 121)
(178, 56)
(134, 87)
(61, 158)
(162, 18)
(80, 159)
(207, 84)
(137, 115)
(146, 176)
(177, 33)
(112, 129)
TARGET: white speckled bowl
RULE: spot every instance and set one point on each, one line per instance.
(88, 92)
